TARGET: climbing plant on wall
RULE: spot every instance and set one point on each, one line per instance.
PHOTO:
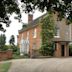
(47, 33)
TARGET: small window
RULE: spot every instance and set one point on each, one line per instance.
(57, 32)
(67, 29)
(34, 33)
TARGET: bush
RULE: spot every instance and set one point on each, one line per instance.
(46, 50)
(15, 50)
(5, 47)
(16, 53)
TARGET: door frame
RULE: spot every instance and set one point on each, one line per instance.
(62, 50)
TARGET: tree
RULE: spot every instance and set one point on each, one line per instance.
(63, 7)
(2, 41)
(24, 25)
(12, 40)
(47, 33)
(7, 7)
(13, 46)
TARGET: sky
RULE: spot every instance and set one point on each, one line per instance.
(15, 25)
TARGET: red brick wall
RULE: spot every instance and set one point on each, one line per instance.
(35, 40)
(32, 40)
(58, 50)
(5, 55)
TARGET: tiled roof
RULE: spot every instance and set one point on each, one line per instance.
(33, 23)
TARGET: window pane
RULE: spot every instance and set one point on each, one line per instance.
(34, 33)
(57, 31)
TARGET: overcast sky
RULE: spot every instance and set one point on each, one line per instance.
(15, 25)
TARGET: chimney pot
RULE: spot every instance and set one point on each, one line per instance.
(30, 18)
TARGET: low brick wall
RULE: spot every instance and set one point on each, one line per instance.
(4, 55)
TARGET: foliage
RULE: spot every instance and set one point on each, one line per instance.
(7, 7)
(6, 47)
(4, 67)
(46, 49)
(15, 49)
(63, 7)
(2, 41)
(24, 26)
(12, 40)
(47, 34)
(16, 52)
(15, 56)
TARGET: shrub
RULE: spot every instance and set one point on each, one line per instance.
(15, 50)
(5, 47)
(46, 50)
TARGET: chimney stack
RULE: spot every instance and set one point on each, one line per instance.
(30, 18)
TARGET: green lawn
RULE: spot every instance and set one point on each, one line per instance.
(5, 66)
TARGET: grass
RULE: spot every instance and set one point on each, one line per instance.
(4, 67)
(15, 56)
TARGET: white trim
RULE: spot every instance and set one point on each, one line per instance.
(56, 36)
(35, 33)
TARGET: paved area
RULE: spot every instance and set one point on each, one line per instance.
(42, 65)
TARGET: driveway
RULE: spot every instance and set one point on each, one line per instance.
(42, 65)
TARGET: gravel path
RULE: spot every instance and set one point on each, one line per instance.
(42, 65)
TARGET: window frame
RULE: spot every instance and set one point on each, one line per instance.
(57, 32)
(34, 33)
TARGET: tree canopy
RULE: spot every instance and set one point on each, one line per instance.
(12, 40)
(7, 7)
(63, 7)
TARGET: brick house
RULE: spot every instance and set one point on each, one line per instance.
(29, 38)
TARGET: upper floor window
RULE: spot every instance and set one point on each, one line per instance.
(57, 32)
(34, 33)
(67, 29)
